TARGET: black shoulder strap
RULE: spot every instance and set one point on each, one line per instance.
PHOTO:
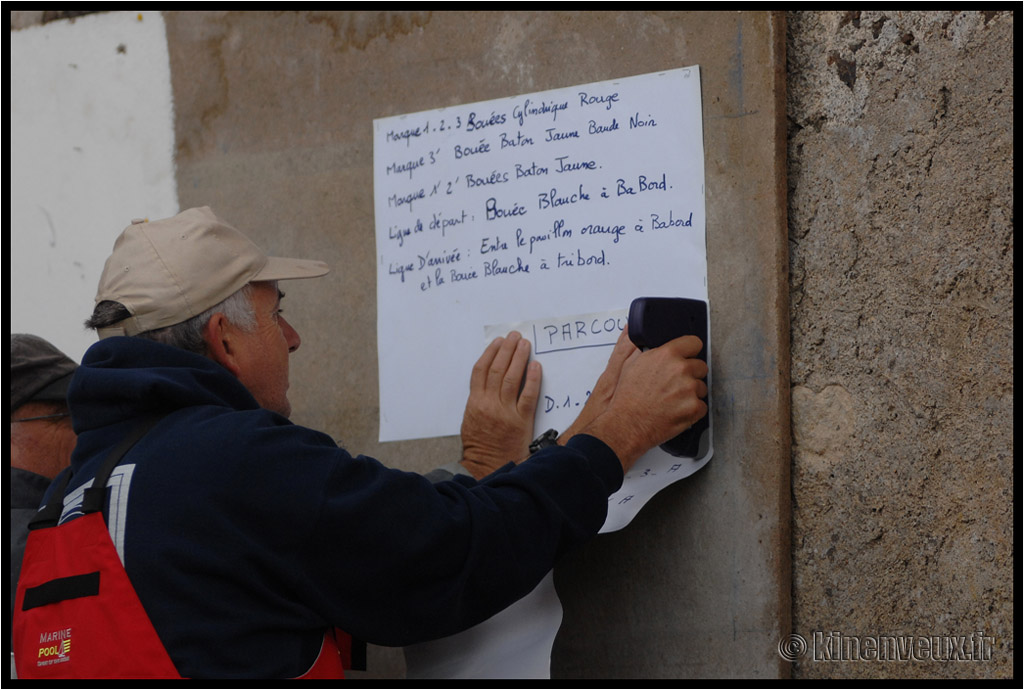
(50, 513)
(94, 496)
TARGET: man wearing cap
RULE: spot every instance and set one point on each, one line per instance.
(41, 435)
(247, 538)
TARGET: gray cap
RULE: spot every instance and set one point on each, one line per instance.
(39, 371)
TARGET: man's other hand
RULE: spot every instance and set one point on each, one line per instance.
(657, 395)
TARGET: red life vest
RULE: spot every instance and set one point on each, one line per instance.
(77, 614)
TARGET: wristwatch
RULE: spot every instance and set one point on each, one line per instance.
(548, 438)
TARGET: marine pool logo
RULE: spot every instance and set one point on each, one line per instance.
(54, 647)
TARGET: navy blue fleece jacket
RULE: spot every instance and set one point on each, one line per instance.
(246, 535)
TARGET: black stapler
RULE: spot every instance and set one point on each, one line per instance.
(654, 321)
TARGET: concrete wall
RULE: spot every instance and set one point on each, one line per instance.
(273, 118)
(900, 205)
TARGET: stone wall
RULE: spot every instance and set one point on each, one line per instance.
(901, 226)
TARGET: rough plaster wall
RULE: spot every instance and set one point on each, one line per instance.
(901, 236)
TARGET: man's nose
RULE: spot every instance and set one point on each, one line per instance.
(291, 336)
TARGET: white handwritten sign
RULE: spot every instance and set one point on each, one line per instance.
(548, 214)
(544, 206)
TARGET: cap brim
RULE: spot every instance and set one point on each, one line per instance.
(279, 268)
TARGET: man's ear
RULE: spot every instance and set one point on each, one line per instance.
(219, 335)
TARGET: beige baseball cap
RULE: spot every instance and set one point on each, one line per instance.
(167, 271)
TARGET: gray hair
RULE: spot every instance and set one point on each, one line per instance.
(187, 335)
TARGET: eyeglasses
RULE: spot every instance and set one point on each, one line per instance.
(42, 417)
